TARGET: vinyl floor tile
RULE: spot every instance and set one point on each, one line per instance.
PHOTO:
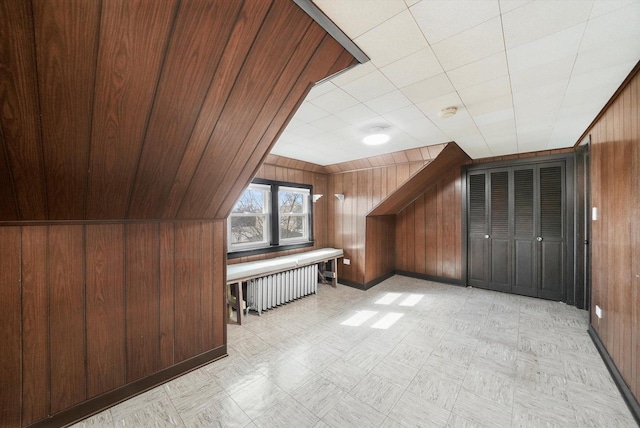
(459, 357)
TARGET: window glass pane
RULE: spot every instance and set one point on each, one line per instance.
(292, 227)
(247, 229)
(291, 202)
(252, 201)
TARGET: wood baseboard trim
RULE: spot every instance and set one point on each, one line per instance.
(434, 278)
(108, 399)
(627, 395)
(366, 285)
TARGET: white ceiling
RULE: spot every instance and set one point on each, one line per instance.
(525, 75)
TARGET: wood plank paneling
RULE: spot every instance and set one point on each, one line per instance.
(133, 39)
(244, 106)
(188, 284)
(615, 241)
(199, 37)
(142, 299)
(35, 318)
(451, 157)
(19, 113)
(206, 293)
(219, 282)
(10, 321)
(66, 316)
(65, 40)
(167, 295)
(9, 207)
(241, 40)
(105, 308)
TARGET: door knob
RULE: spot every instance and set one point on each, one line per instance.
(539, 239)
(486, 236)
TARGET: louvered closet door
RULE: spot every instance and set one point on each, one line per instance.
(478, 229)
(550, 239)
(499, 239)
(525, 255)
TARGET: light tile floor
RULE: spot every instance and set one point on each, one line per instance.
(453, 357)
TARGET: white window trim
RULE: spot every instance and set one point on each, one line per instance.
(306, 195)
(266, 222)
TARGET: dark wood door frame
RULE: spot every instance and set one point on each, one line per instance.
(583, 225)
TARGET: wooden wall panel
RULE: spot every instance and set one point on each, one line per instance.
(35, 318)
(199, 36)
(380, 254)
(615, 239)
(88, 309)
(142, 280)
(238, 45)
(10, 321)
(133, 40)
(167, 295)
(66, 48)
(188, 246)
(19, 113)
(436, 217)
(105, 308)
(67, 316)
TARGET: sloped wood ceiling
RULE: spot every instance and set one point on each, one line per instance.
(146, 109)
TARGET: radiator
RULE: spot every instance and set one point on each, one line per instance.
(273, 290)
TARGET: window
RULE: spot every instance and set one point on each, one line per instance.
(293, 209)
(270, 216)
(249, 220)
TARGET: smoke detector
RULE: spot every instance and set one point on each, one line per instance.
(448, 112)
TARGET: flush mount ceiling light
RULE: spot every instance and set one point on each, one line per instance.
(376, 137)
(448, 112)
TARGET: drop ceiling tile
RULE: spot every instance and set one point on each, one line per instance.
(458, 126)
(335, 100)
(432, 106)
(405, 114)
(533, 141)
(602, 7)
(413, 68)
(425, 131)
(529, 78)
(355, 114)
(491, 118)
(370, 86)
(441, 19)
(320, 89)
(504, 147)
(614, 26)
(598, 81)
(354, 73)
(545, 50)
(607, 55)
(392, 40)
(307, 130)
(487, 90)
(410, 3)
(507, 5)
(309, 112)
(356, 17)
(552, 90)
(388, 102)
(490, 106)
(471, 45)
(329, 123)
(538, 19)
(429, 88)
(486, 69)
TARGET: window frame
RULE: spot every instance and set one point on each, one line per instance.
(275, 243)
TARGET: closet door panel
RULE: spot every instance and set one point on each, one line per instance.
(524, 281)
(500, 272)
(478, 268)
(551, 232)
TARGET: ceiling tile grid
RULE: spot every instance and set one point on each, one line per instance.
(524, 75)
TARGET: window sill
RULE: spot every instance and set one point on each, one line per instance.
(267, 250)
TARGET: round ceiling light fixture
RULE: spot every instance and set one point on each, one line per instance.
(376, 137)
(448, 112)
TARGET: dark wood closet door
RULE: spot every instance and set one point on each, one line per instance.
(551, 232)
(524, 241)
(499, 236)
(478, 229)
(516, 229)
